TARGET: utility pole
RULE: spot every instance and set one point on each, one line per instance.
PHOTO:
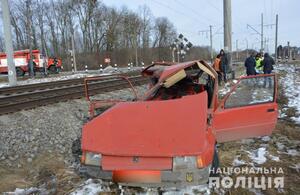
(266, 45)
(73, 52)
(210, 40)
(276, 37)
(211, 43)
(45, 56)
(288, 52)
(247, 47)
(237, 48)
(29, 36)
(136, 53)
(12, 79)
(227, 29)
(262, 34)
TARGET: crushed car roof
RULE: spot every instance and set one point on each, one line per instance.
(163, 70)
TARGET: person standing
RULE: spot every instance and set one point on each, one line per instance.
(268, 63)
(259, 66)
(216, 66)
(224, 64)
(250, 64)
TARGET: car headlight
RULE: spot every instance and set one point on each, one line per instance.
(90, 158)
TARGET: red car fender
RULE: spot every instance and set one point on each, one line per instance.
(205, 159)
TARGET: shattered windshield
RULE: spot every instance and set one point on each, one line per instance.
(188, 81)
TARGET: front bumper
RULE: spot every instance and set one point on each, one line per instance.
(167, 178)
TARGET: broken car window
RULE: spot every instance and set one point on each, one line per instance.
(184, 83)
(252, 91)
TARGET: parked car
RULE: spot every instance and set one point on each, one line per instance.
(168, 137)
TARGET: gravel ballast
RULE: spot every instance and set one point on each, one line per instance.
(46, 129)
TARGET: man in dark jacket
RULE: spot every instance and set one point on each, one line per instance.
(224, 64)
(250, 65)
(268, 63)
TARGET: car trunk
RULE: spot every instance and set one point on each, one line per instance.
(147, 134)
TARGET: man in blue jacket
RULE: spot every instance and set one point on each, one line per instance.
(224, 64)
(268, 63)
(250, 64)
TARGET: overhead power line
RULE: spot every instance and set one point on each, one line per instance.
(197, 13)
(212, 5)
(177, 11)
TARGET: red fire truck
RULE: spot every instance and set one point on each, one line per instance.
(22, 57)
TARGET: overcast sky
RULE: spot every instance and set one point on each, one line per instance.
(192, 16)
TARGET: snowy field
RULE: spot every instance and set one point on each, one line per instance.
(291, 84)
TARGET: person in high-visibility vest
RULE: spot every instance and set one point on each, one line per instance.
(258, 64)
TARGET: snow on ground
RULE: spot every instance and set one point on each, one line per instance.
(237, 162)
(258, 156)
(259, 95)
(91, 187)
(266, 138)
(56, 78)
(293, 152)
(97, 186)
(50, 79)
(256, 191)
(224, 90)
(291, 84)
(203, 189)
(3, 85)
(282, 113)
(20, 191)
(296, 167)
(69, 75)
(280, 146)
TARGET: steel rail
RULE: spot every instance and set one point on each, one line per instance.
(52, 84)
(31, 99)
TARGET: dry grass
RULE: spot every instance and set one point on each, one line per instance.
(46, 169)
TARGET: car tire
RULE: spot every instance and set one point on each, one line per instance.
(19, 72)
(53, 69)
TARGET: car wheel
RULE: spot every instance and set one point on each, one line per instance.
(19, 72)
(53, 69)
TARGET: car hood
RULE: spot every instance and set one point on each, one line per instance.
(150, 128)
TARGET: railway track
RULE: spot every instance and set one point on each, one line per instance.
(18, 98)
(53, 84)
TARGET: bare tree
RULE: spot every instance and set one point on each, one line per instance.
(99, 31)
(146, 27)
(164, 35)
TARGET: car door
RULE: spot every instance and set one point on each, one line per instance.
(248, 110)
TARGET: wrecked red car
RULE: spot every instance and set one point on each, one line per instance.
(168, 137)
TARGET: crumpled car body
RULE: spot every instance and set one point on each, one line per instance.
(168, 136)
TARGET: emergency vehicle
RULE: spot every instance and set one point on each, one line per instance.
(22, 57)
